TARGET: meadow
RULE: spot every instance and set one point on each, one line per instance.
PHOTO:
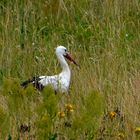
(103, 101)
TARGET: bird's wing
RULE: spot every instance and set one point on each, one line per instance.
(52, 80)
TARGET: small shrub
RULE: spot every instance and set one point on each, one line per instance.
(86, 120)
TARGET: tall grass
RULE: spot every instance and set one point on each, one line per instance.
(103, 36)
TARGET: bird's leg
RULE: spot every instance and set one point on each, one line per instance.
(68, 98)
(63, 99)
(55, 91)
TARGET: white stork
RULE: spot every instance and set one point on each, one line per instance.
(58, 82)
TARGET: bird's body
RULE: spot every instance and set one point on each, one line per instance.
(58, 82)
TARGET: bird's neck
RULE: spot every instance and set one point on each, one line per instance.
(63, 63)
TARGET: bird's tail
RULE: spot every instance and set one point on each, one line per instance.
(25, 83)
(35, 81)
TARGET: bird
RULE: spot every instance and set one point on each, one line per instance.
(59, 82)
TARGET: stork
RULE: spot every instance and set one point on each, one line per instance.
(58, 82)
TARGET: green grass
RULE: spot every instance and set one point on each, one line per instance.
(104, 38)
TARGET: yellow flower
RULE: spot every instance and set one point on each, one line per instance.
(61, 114)
(69, 107)
(120, 135)
(112, 115)
(137, 130)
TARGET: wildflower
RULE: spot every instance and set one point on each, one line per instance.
(120, 135)
(137, 130)
(126, 35)
(61, 114)
(69, 107)
(24, 128)
(33, 43)
(37, 59)
(112, 115)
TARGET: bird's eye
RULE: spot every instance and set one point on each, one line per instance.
(65, 50)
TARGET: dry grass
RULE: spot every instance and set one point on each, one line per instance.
(103, 36)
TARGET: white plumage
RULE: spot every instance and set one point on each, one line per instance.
(58, 82)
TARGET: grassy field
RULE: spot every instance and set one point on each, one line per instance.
(104, 95)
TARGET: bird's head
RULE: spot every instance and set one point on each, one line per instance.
(61, 50)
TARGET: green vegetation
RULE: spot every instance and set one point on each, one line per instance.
(104, 99)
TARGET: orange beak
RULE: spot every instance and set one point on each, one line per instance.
(68, 56)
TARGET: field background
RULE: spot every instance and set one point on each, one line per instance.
(104, 95)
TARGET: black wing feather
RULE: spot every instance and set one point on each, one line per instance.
(35, 81)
